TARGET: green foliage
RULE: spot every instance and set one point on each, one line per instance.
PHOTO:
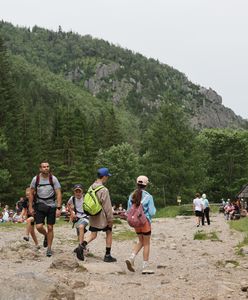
(168, 144)
(123, 164)
(225, 161)
(63, 97)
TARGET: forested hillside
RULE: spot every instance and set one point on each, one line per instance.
(83, 103)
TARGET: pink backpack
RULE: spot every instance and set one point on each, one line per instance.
(136, 216)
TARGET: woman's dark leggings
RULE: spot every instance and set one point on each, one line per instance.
(206, 214)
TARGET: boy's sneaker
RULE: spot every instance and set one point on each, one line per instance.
(26, 238)
(49, 253)
(45, 242)
(130, 264)
(109, 258)
(80, 252)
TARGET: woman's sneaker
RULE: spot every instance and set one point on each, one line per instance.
(130, 264)
(147, 270)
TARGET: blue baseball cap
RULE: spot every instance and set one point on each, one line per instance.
(103, 172)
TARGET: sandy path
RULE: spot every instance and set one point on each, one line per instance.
(184, 268)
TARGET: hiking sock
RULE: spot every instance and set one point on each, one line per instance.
(145, 264)
(108, 250)
(84, 244)
(133, 255)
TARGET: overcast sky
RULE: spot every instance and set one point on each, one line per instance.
(207, 40)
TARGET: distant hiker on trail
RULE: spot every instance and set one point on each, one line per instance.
(29, 220)
(206, 209)
(198, 208)
(137, 198)
(103, 221)
(79, 218)
(44, 189)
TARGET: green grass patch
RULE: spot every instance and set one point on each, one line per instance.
(214, 208)
(201, 235)
(117, 221)
(173, 211)
(223, 263)
(240, 225)
(124, 235)
(238, 248)
(90, 254)
(12, 225)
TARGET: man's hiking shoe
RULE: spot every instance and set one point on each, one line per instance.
(49, 253)
(130, 264)
(109, 258)
(80, 252)
(26, 238)
(45, 242)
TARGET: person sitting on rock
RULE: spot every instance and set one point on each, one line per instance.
(228, 209)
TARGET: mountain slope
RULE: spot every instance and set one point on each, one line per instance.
(111, 73)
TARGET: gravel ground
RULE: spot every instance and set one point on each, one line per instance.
(184, 268)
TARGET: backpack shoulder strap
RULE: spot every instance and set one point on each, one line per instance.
(74, 204)
(37, 181)
(98, 188)
(51, 180)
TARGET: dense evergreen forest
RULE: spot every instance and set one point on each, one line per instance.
(82, 103)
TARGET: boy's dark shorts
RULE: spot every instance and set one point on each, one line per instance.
(94, 229)
(49, 215)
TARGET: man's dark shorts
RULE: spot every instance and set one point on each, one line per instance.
(94, 229)
(49, 215)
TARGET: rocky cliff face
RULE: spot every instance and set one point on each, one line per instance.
(213, 114)
(204, 106)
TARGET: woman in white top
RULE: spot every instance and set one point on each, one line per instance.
(198, 208)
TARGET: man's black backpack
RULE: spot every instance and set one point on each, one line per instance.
(37, 184)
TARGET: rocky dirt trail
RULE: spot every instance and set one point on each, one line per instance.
(184, 268)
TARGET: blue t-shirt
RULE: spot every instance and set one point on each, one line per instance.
(147, 203)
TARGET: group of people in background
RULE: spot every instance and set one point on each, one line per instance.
(43, 204)
(201, 209)
(232, 209)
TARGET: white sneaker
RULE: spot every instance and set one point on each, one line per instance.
(147, 270)
(130, 264)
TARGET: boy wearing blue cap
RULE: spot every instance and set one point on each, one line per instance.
(102, 221)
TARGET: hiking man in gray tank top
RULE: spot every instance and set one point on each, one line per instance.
(45, 190)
